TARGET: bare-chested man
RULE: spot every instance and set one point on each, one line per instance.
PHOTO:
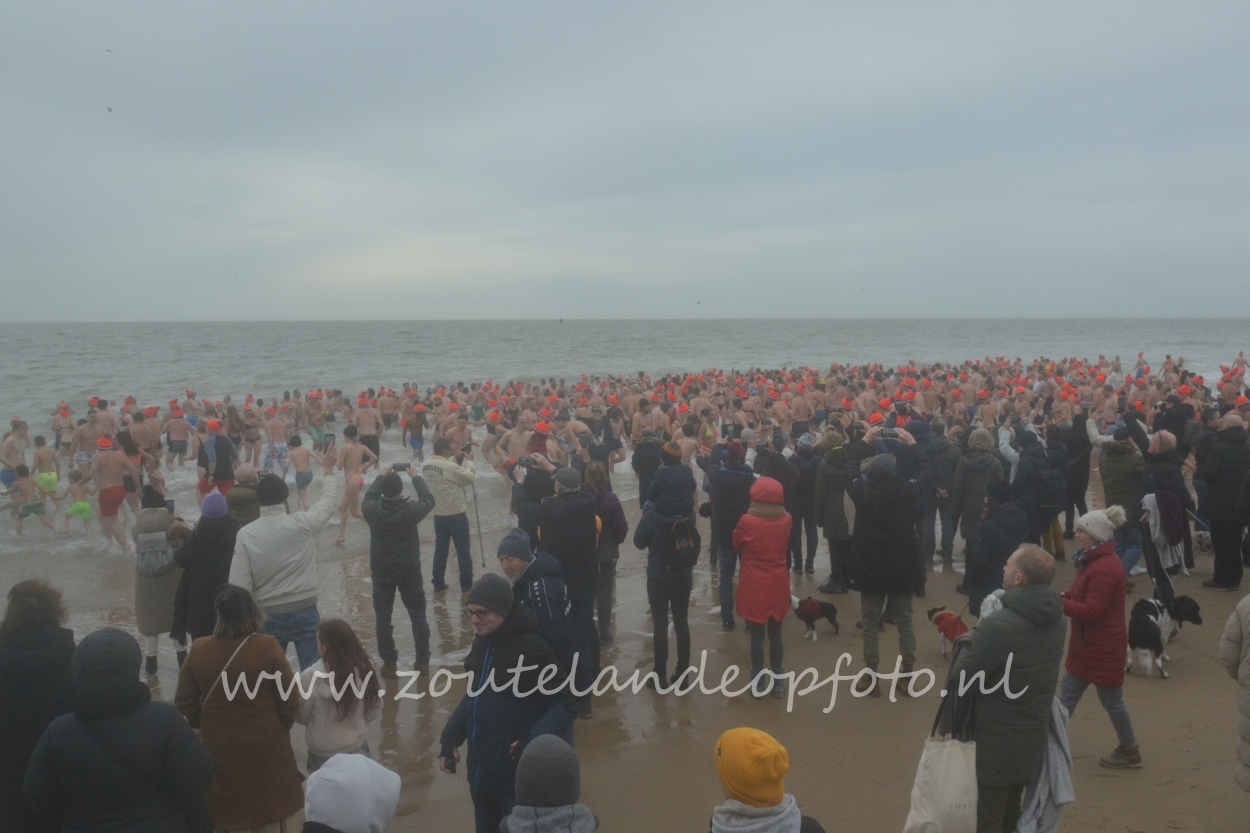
(63, 425)
(106, 419)
(83, 444)
(459, 431)
(355, 459)
(47, 466)
(514, 443)
(191, 406)
(275, 432)
(13, 454)
(388, 407)
(301, 459)
(179, 431)
(107, 469)
(27, 499)
(368, 424)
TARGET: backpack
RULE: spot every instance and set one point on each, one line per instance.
(686, 546)
(1052, 490)
(154, 554)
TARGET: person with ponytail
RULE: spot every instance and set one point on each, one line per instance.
(345, 695)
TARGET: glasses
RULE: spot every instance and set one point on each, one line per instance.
(475, 615)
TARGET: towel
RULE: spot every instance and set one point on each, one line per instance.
(1052, 788)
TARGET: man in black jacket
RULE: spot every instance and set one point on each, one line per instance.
(884, 546)
(395, 562)
(645, 461)
(946, 456)
(568, 530)
(1224, 471)
(1000, 533)
(729, 487)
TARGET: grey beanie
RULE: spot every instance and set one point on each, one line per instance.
(880, 469)
(568, 479)
(548, 774)
(516, 544)
(492, 592)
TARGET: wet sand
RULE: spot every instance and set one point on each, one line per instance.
(647, 759)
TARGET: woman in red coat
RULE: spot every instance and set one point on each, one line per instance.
(1099, 641)
(763, 536)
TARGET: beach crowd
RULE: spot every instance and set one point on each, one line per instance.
(748, 469)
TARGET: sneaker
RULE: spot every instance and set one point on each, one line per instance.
(1138, 570)
(388, 670)
(1124, 757)
(1214, 585)
(657, 682)
(810, 569)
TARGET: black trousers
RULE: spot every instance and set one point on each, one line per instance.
(1226, 541)
(667, 595)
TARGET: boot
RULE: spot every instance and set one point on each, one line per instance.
(387, 670)
(779, 689)
(151, 666)
(1124, 757)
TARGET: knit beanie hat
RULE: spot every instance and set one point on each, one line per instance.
(1101, 523)
(998, 491)
(735, 453)
(271, 490)
(214, 505)
(880, 469)
(492, 592)
(517, 545)
(752, 766)
(671, 452)
(548, 774)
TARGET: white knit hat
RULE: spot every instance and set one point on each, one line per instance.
(1101, 523)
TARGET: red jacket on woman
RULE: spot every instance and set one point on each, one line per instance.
(763, 535)
(1095, 603)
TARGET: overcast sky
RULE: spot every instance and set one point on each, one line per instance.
(268, 160)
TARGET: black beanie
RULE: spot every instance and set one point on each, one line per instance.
(392, 484)
(271, 490)
(548, 774)
(492, 592)
(516, 544)
(998, 491)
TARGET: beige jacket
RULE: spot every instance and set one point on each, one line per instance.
(447, 479)
(1235, 654)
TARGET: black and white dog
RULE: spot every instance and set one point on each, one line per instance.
(1151, 624)
(810, 611)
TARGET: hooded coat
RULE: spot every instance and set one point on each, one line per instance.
(654, 534)
(1095, 604)
(394, 542)
(493, 720)
(976, 470)
(204, 557)
(1011, 732)
(72, 778)
(831, 495)
(998, 536)
(155, 595)
(884, 547)
(1028, 478)
(672, 489)
(729, 487)
(946, 457)
(35, 688)
(1224, 471)
(763, 535)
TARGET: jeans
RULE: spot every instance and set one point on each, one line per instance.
(413, 596)
(603, 590)
(298, 626)
(489, 809)
(449, 528)
(644, 486)
(1226, 541)
(664, 594)
(799, 519)
(899, 605)
(1128, 545)
(728, 564)
(585, 635)
(776, 648)
(998, 808)
(948, 528)
(1071, 687)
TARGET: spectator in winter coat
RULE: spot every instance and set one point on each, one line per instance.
(498, 725)
(157, 533)
(1235, 655)
(1001, 532)
(1099, 642)
(729, 487)
(830, 501)
(1223, 471)
(669, 582)
(612, 534)
(645, 462)
(946, 457)
(548, 786)
(35, 688)
(802, 507)
(884, 545)
(536, 584)
(1121, 468)
(395, 562)
(672, 488)
(763, 536)
(976, 470)
(752, 767)
(1011, 731)
(1076, 472)
(1027, 466)
(1056, 459)
(205, 557)
(74, 773)
(336, 717)
(350, 794)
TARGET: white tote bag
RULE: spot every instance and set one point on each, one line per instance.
(944, 797)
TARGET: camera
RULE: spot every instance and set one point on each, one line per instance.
(526, 461)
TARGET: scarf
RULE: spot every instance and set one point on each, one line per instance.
(1078, 560)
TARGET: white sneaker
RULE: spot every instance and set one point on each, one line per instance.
(1138, 570)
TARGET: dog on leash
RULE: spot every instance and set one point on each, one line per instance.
(1151, 624)
(810, 611)
(950, 626)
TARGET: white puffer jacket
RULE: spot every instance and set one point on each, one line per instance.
(1235, 654)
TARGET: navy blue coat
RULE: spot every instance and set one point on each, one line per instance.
(672, 490)
(998, 536)
(542, 590)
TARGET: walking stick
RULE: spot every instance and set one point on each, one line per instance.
(481, 548)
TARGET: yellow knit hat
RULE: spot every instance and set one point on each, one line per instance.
(752, 766)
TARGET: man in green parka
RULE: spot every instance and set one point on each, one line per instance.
(1020, 646)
